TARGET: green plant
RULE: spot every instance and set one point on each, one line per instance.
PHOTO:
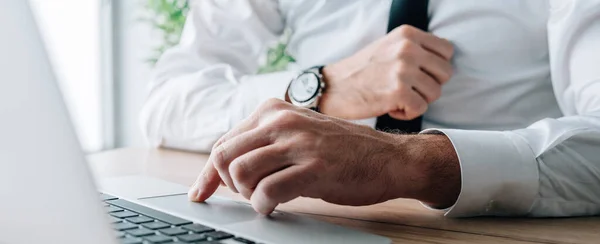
(168, 16)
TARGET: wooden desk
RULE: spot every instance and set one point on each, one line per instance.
(404, 221)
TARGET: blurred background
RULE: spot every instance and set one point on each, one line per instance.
(103, 52)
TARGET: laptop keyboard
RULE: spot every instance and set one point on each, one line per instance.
(136, 224)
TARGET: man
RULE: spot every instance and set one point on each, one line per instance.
(509, 91)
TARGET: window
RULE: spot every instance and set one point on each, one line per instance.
(71, 30)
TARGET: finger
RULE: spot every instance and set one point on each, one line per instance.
(235, 147)
(441, 47)
(413, 105)
(249, 169)
(280, 187)
(399, 114)
(438, 46)
(248, 124)
(206, 184)
(416, 105)
(440, 69)
(426, 86)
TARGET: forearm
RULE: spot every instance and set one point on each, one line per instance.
(426, 168)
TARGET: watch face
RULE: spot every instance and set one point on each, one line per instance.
(305, 87)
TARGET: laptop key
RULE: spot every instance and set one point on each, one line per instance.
(114, 220)
(197, 228)
(129, 240)
(209, 242)
(120, 234)
(156, 225)
(112, 209)
(167, 218)
(124, 214)
(140, 232)
(158, 239)
(218, 235)
(124, 226)
(192, 238)
(106, 197)
(242, 240)
(173, 231)
(139, 220)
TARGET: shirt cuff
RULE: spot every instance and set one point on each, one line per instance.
(253, 90)
(499, 173)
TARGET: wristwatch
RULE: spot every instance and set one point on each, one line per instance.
(306, 89)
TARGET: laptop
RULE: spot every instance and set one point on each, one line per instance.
(48, 194)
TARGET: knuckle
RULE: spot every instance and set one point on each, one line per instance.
(406, 48)
(219, 158)
(283, 148)
(273, 104)
(400, 68)
(304, 136)
(406, 31)
(217, 144)
(239, 172)
(286, 118)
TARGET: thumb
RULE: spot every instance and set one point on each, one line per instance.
(399, 114)
(207, 183)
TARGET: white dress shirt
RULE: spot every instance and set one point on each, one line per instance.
(522, 110)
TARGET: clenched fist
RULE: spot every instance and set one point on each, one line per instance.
(282, 152)
(399, 75)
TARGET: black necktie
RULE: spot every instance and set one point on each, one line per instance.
(414, 13)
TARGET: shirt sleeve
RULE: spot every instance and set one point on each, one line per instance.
(551, 168)
(207, 83)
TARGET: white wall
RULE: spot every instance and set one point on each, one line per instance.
(133, 43)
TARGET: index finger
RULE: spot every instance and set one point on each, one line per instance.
(439, 46)
(206, 184)
(432, 43)
(209, 180)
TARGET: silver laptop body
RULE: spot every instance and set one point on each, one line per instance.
(48, 195)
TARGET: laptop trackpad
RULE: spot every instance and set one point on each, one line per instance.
(215, 210)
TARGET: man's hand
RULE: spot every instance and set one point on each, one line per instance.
(399, 75)
(282, 152)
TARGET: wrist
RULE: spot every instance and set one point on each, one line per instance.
(334, 72)
(430, 171)
(332, 100)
